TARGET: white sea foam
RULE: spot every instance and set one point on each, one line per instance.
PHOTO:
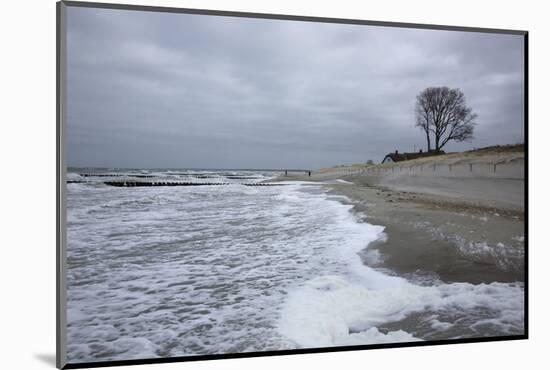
(209, 265)
(173, 271)
(73, 176)
(331, 311)
(506, 257)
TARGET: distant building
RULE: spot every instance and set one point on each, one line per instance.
(399, 157)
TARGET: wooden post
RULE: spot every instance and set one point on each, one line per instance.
(470, 167)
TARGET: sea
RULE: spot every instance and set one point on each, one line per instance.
(165, 271)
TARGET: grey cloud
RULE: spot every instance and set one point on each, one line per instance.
(174, 90)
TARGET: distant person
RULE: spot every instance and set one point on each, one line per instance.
(309, 173)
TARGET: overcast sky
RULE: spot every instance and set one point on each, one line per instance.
(192, 91)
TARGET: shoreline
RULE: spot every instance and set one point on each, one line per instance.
(432, 237)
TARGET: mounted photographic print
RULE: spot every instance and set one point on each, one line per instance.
(235, 184)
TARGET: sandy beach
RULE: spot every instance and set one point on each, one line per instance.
(456, 229)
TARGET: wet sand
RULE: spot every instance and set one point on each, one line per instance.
(436, 236)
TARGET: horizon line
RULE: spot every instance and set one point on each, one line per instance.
(192, 169)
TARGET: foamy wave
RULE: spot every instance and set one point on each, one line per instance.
(157, 272)
(72, 176)
(331, 311)
(506, 257)
(350, 308)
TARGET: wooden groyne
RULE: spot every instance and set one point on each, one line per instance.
(198, 176)
(242, 177)
(133, 184)
(140, 176)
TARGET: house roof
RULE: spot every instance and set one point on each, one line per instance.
(398, 157)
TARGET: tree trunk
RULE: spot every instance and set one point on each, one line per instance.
(428, 139)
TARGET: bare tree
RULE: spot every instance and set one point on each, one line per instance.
(422, 111)
(443, 112)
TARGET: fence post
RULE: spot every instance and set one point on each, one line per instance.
(495, 167)
(470, 167)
